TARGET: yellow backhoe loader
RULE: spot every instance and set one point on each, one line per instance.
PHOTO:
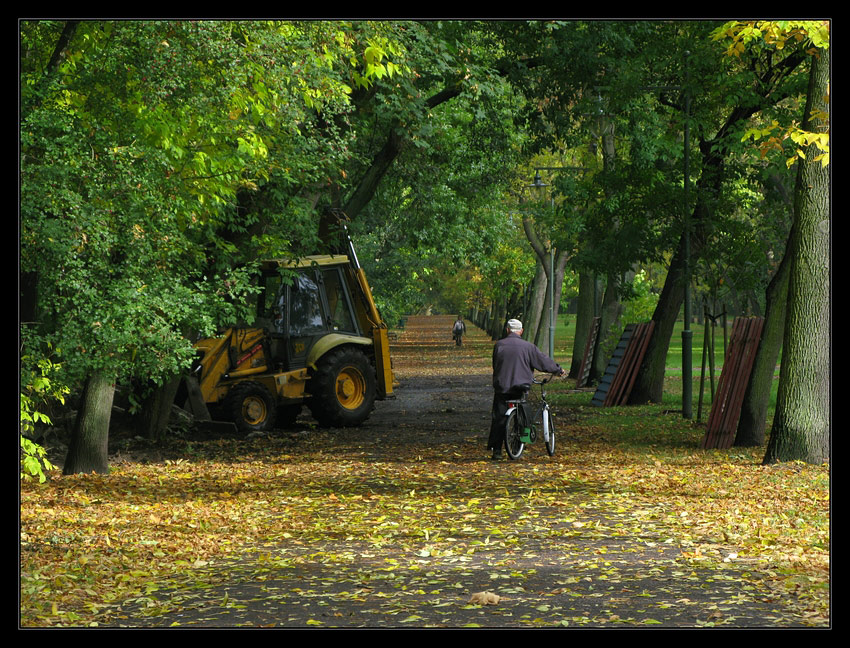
(318, 340)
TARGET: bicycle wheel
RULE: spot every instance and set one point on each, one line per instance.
(513, 434)
(550, 439)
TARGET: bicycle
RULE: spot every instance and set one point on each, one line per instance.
(520, 428)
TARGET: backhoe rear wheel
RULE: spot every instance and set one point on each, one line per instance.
(343, 388)
(252, 407)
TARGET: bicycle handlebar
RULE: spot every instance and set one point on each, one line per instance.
(546, 380)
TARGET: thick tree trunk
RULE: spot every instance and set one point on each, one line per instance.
(497, 324)
(801, 424)
(541, 338)
(561, 258)
(649, 385)
(89, 448)
(584, 318)
(366, 187)
(751, 424)
(543, 330)
(612, 307)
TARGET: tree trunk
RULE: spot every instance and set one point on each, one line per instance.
(612, 307)
(649, 385)
(497, 324)
(538, 299)
(89, 448)
(543, 330)
(611, 311)
(541, 339)
(751, 424)
(584, 318)
(561, 259)
(397, 140)
(153, 419)
(801, 424)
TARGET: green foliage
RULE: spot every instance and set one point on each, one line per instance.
(750, 40)
(440, 210)
(139, 156)
(39, 389)
(640, 300)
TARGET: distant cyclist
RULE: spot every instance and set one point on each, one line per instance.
(458, 330)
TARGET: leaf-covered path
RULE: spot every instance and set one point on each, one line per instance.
(405, 521)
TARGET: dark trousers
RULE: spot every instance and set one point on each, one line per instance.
(498, 418)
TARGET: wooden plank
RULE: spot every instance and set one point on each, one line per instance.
(722, 422)
(621, 373)
(613, 397)
(730, 360)
(604, 386)
(646, 335)
(750, 343)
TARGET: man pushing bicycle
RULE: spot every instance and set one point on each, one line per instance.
(514, 363)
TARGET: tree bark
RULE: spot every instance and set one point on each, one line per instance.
(541, 338)
(801, 424)
(649, 385)
(751, 424)
(612, 309)
(535, 308)
(381, 163)
(89, 447)
(153, 419)
(584, 319)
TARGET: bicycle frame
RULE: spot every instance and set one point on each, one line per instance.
(530, 431)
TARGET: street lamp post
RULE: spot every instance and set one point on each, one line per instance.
(539, 184)
(687, 333)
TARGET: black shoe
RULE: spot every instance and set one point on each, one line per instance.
(497, 454)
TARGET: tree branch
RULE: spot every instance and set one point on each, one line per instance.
(64, 39)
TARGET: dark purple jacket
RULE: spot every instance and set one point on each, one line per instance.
(514, 361)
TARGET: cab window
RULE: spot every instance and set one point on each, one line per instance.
(305, 314)
(338, 307)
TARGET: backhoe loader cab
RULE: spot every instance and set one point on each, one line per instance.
(318, 339)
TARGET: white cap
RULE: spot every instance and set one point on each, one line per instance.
(514, 325)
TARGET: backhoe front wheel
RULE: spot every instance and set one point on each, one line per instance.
(343, 388)
(252, 407)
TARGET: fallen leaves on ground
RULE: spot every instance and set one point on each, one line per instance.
(630, 524)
